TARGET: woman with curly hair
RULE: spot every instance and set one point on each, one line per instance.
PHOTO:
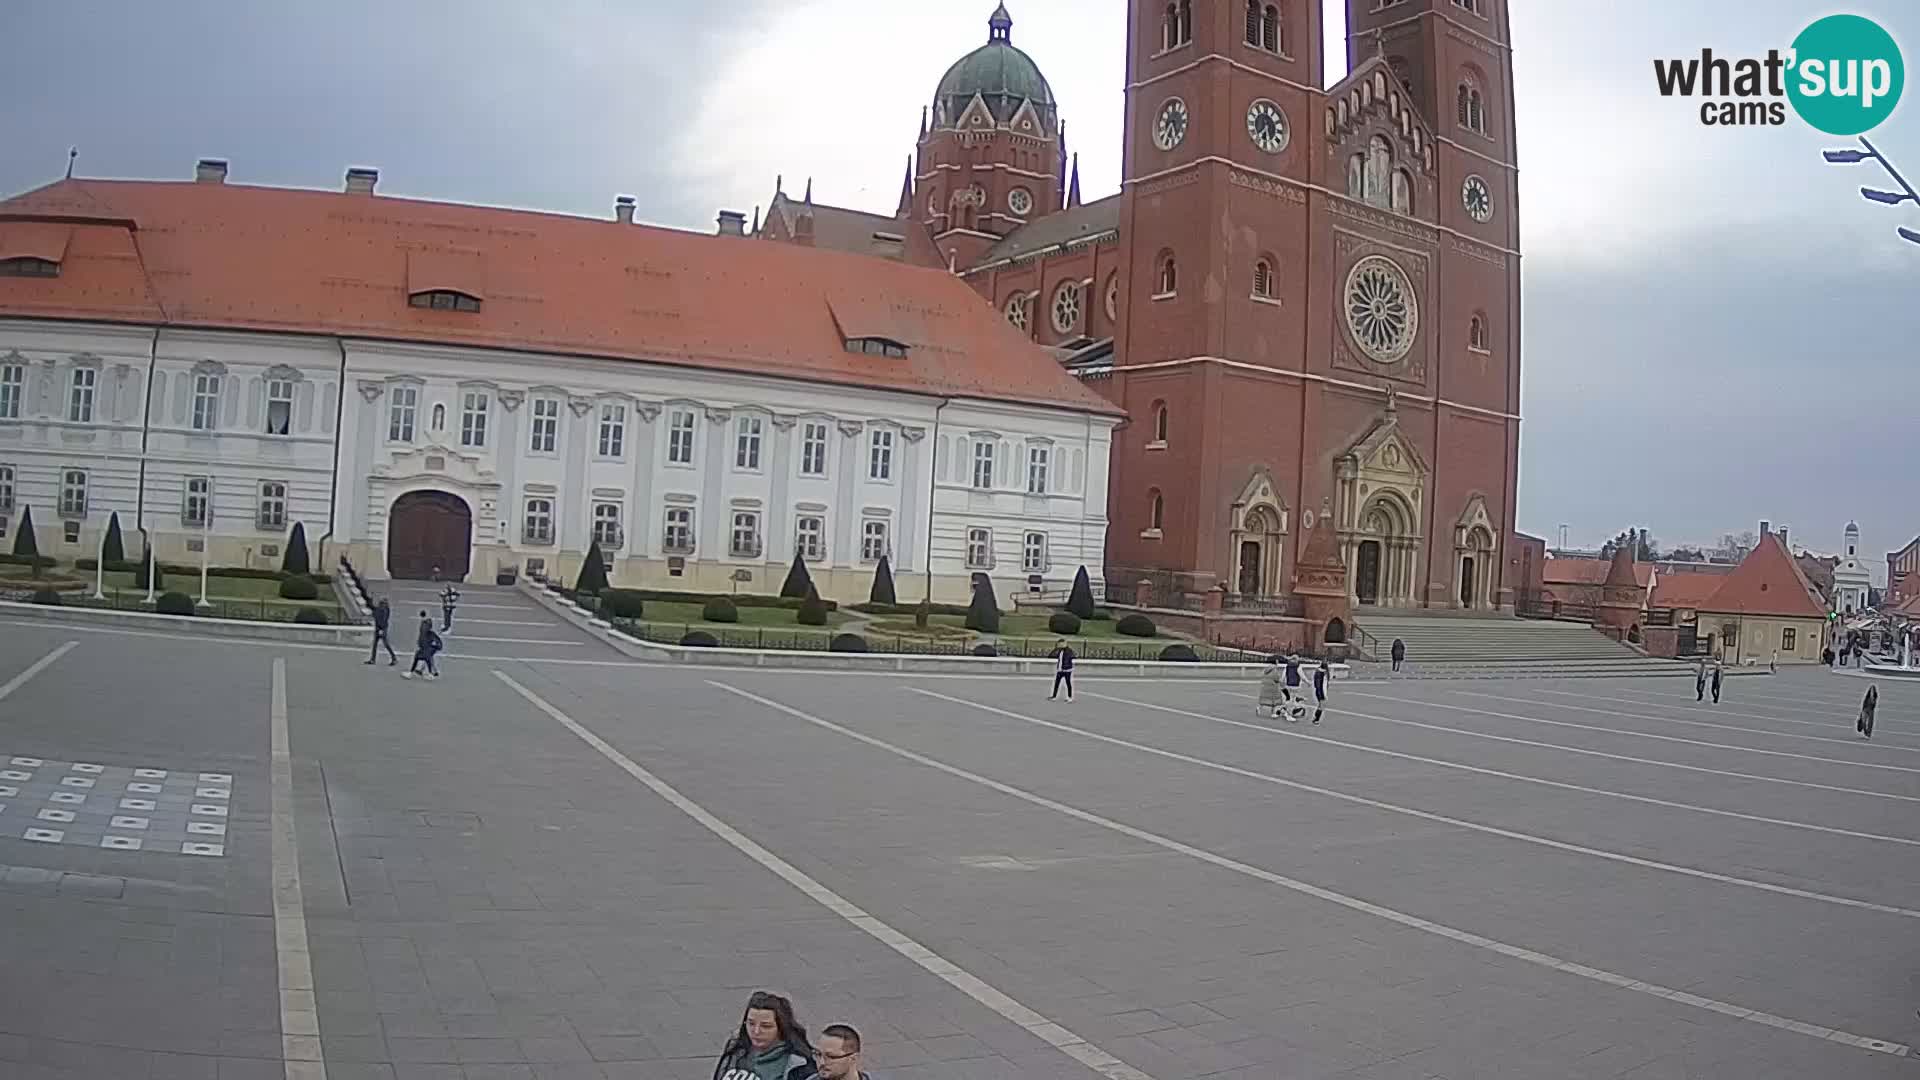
(769, 1045)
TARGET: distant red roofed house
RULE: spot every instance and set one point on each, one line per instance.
(1683, 593)
(1903, 573)
(1766, 608)
(1571, 586)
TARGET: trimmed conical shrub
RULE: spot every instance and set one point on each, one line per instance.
(593, 572)
(798, 582)
(24, 542)
(115, 548)
(1080, 600)
(882, 584)
(296, 558)
(983, 614)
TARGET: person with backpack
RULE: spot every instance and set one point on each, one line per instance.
(426, 644)
(770, 1044)
(382, 619)
(1062, 670)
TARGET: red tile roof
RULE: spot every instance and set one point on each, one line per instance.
(1767, 582)
(1578, 571)
(1686, 589)
(232, 256)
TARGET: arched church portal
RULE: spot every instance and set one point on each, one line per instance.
(429, 531)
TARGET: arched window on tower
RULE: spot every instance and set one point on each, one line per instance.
(1186, 21)
(1179, 24)
(1263, 278)
(1379, 171)
(1270, 38)
(1470, 106)
(1402, 191)
(1477, 333)
(1160, 422)
(1168, 280)
(1156, 510)
(1170, 31)
(1253, 22)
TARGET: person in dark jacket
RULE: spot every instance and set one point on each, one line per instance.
(1290, 690)
(1700, 682)
(1718, 671)
(447, 600)
(1320, 676)
(1062, 669)
(1865, 724)
(769, 1045)
(1399, 653)
(426, 644)
(382, 619)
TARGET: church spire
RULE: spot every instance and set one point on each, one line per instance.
(809, 196)
(1073, 185)
(905, 208)
(1000, 26)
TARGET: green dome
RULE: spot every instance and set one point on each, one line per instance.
(998, 72)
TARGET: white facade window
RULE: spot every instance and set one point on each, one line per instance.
(473, 418)
(613, 430)
(979, 549)
(983, 464)
(679, 537)
(746, 534)
(13, 384)
(880, 455)
(873, 541)
(606, 525)
(6, 488)
(279, 406)
(402, 412)
(746, 446)
(80, 401)
(539, 523)
(206, 402)
(810, 537)
(680, 438)
(1033, 553)
(73, 493)
(1039, 459)
(199, 501)
(813, 449)
(273, 504)
(546, 425)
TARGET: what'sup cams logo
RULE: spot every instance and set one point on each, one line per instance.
(1843, 75)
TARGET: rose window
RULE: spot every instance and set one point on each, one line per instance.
(1066, 308)
(1017, 312)
(1381, 312)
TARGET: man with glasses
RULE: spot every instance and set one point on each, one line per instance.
(838, 1055)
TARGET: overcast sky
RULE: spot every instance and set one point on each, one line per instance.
(1717, 328)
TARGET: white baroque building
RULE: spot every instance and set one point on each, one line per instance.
(1852, 581)
(426, 385)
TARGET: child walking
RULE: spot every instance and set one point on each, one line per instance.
(425, 646)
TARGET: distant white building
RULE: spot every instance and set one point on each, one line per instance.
(1852, 581)
(433, 385)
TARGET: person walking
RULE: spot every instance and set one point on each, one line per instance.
(1291, 690)
(770, 1044)
(1320, 676)
(1272, 693)
(382, 620)
(1718, 671)
(1700, 682)
(1865, 724)
(426, 643)
(1399, 653)
(447, 599)
(1062, 669)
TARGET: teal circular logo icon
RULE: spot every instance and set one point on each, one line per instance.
(1847, 75)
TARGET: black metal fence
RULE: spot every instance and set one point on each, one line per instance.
(1027, 648)
(259, 610)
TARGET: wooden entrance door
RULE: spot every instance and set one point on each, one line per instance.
(428, 530)
(1367, 576)
(1249, 568)
(1466, 582)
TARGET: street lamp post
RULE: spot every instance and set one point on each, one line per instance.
(100, 569)
(149, 568)
(206, 544)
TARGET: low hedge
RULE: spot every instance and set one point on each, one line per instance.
(622, 604)
(1135, 625)
(47, 596)
(174, 603)
(41, 561)
(909, 609)
(720, 609)
(847, 643)
(1064, 622)
(310, 616)
(299, 587)
(131, 566)
(985, 649)
(699, 639)
(1179, 652)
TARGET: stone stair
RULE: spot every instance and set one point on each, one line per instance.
(1455, 641)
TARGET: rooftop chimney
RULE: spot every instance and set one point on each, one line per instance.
(1765, 526)
(733, 223)
(361, 181)
(623, 209)
(210, 170)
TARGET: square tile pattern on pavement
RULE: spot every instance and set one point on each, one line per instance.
(115, 807)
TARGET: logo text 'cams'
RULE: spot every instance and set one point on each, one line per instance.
(1739, 82)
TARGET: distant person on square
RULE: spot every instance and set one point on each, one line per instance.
(447, 600)
(1718, 672)
(1700, 682)
(1321, 675)
(382, 621)
(1399, 653)
(426, 643)
(1272, 685)
(1062, 669)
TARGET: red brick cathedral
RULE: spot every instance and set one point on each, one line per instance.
(1307, 300)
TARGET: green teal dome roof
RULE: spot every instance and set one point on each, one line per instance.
(996, 71)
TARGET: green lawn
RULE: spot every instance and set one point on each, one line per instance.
(229, 589)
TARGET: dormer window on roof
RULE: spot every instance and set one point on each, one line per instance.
(29, 266)
(876, 346)
(444, 300)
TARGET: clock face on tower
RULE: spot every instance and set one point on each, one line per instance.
(1267, 126)
(1170, 127)
(1477, 198)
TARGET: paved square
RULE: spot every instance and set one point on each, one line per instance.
(538, 868)
(118, 808)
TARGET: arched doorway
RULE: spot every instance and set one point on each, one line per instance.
(1466, 582)
(1383, 557)
(1476, 569)
(1366, 582)
(428, 529)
